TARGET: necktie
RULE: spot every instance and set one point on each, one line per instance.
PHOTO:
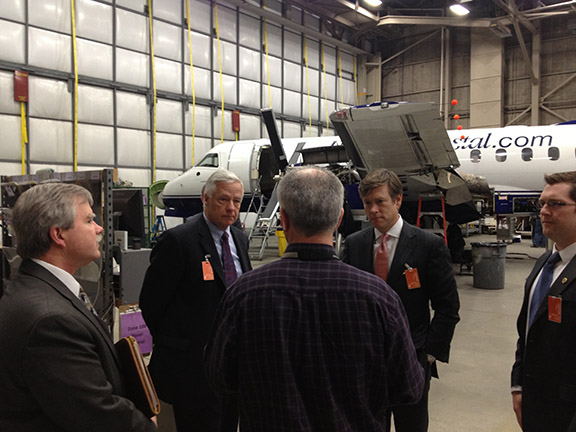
(543, 285)
(228, 261)
(381, 258)
(84, 297)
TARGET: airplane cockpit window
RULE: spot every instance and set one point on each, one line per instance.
(475, 156)
(501, 155)
(527, 154)
(553, 153)
(210, 160)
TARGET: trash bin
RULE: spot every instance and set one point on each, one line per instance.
(281, 241)
(489, 260)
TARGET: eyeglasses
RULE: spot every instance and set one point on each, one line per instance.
(553, 205)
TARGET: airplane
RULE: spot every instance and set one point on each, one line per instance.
(408, 138)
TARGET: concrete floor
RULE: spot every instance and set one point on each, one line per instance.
(473, 392)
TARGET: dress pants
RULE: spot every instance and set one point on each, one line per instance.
(412, 418)
(207, 416)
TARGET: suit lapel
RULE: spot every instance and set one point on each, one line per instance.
(207, 243)
(241, 250)
(403, 250)
(366, 254)
(564, 279)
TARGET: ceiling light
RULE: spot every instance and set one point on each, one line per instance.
(373, 3)
(459, 10)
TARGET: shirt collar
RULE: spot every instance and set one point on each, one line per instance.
(214, 230)
(63, 276)
(392, 232)
(567, 253)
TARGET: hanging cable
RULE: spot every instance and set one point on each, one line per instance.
(355, 81)
(192, 79)
(267, 58)
(75, 56)
(23, 134)
(308, 88)
(325, 88)
(153, 77)
(340, 77)
(220, 69)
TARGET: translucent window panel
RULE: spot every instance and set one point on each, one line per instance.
(250, 32)
(250, 93)
(275, 66)
(229, 135)
(310, 104)
(202, 84)
(132, 67)
(95, 105)
(169, 151)
(95, 144)
(326, 108)
(196, 151)
(229, 86)
(227, 55)
(313, 49)
(292, 103)
(293, 47)
(311, 77)
(137, 5)
(166, 174)
(11, 137)
(295, 14)
(169, 116)
(13, 10)
(138, 177)
(250, 63)
(168, 75)
(250, 126)
(276, 96)
(312, 22)
(200, 49)
(330, 61)
(167, 40)
(274, 36)
(50, 140)
(94, 20)
(59, 168)
(292, 76)
(49, 98)
(291, 130)
(330, 86)
(347, 62)
(134, 147)
(132, 30)
(227, 26)
(310, 131)
(7, 103)
(50, 50)
(349, 92)
(94, 59)
(53, 14)
(12, 38)
(202, 123)
(7, 168)
(200, 16)
(132, 111)
(169, 10)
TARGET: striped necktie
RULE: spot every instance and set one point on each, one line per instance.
(84, 297)
(228, 261)
(381, 258)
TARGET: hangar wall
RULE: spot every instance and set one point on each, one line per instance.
(117, 75)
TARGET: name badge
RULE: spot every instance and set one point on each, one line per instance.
(555, 309)
(412, 278)
(207, 270)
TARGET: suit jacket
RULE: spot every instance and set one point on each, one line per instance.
(58, 366)
(178, 306)
(427, 253)
(546, 357)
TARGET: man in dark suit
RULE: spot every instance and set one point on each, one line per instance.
(544, 375)
(59, 370)
(309, 343)
(182, 288)
(417, 265)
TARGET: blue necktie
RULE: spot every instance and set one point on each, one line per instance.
(228, 261)
(543, 285)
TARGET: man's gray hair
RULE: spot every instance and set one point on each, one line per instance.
(42, 207)
(312, 198)
(220, 175)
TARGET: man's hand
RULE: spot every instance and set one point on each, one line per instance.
(517, 404)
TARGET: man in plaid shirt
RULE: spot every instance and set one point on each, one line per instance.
(307, 342)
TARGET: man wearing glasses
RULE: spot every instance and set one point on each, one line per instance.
(544, 373)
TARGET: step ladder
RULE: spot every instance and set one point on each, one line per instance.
(265, 223)
(158, 228)
(436, 210)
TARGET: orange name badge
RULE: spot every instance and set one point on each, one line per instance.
(207, 271)
(412, 279)
(555, 309)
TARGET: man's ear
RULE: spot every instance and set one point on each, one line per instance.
(339, 220)
(56, 234)
(284, 221)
